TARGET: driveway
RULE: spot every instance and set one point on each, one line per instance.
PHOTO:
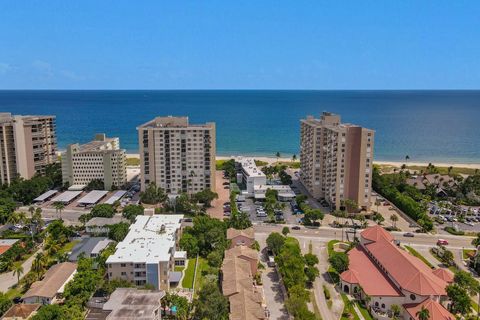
(272, 288)
(216, 211)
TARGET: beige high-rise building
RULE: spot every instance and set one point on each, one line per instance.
(27, 145)
(100, 159)
(177, 156)
(336, 160)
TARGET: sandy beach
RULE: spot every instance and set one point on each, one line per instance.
(271, 160)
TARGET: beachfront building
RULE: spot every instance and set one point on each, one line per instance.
(149, 253)
(389, 275)
(249, 174)
(176, 155)
(101, 159)
(336, 160)
(27, 145)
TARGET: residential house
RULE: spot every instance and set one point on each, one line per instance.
(244, 237)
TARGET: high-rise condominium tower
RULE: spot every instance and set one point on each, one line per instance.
(177, 156)
(27, 145)
(336, 160)
(100, 159)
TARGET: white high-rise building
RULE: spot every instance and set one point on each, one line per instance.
(100, 159)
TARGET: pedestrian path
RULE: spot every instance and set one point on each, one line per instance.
(8, 279)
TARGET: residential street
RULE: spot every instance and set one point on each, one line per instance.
(7, 280)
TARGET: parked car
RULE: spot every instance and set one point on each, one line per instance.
(442, 242)
(296, 228)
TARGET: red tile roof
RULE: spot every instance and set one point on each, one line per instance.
(409, 272)
(444, 274)
(4, 249)
(376, 233)
(364, 272)
(435, 309)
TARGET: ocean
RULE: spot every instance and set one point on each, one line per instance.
(442, 126)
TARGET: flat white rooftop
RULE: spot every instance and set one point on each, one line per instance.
(250, 168)
(77, 187)
(116, 196)
(67, 196)
(150, 239)
(93, 197)
(45, 196)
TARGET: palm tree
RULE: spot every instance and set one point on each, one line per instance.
(18, 271)
(423, 314)
(395, 310)
(38, 262)
(294, 158)
(31, 209)
(394, 219)
(17, 217)
(407, 157)
(277, 155)
(59, 206)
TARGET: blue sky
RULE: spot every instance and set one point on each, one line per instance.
(239, 44)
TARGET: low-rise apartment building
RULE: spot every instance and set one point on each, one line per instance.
(176, 155)
(379, 269)
(147, 254)
(336, 160)
(27, 145)
(249, 174)
(101, 159)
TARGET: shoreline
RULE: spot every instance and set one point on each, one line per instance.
(398, 164)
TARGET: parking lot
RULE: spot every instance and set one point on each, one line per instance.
(459, 217)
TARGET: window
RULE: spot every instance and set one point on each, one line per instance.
(412, 297)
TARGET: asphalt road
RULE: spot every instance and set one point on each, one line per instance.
(328, 233)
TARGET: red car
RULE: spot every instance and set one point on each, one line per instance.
(442, 242)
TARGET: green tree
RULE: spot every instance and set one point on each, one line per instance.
(180, 303)
(206, 197)
(95, 184)
(423, 314)
(103, 210)
(339, 261)
(131, 211)
(394, 219)
(153, 195)
(466, 281)
(209, 233)
(285, 231)
(461, 302)
(396, 310)
(447, 257)
(189, 243)
(277, 155)
(59, 206)
(5, 303)
(18, 271)
(312, 273)
(275, 242)
(310, 259)
(294, 158)
(118, 231)
(210, 303)
(215, 258)
(290, 263)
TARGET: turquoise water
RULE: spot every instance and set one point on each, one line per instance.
(426, 125)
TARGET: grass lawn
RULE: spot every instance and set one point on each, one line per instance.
(68, 247)
(454, 269)
(202, 265)
(133, 161)
(316, 310)
(346, 310)
(418, 255)
(179, 268)
(187, 281)
(330, 245)
(466, 252)
(444, 170)
(364, 311)
(13, 292)
(474, 305)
